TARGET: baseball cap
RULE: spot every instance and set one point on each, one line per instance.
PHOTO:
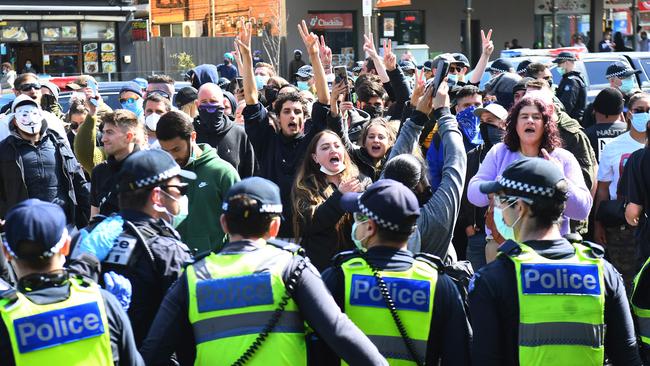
(521, 84)
(387, 202)
(23, 100)
(494, 108)
(132, 86)
(460, 59)
(185, 95)
(426, 66)
(620, 70)
(148, 168)
(52, 87)
(530, 178)
(265, 192)
(565, 56)
(40, 222)
(521, 68)
(223, 83)
(500, 65)
(609, 101)
(305, 71)
(82, 81)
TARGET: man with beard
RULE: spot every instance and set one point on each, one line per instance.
(221, 132)
(281, 149)
(37, 162)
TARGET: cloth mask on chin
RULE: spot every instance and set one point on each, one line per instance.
(29, 119)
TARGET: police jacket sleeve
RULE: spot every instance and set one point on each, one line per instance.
(321, 313)
(258, 127)
(438, 216)
(171, 330)
(570, 97)
(448, 318)
(171, 255)
(620, 340)
(125, 353)
(86, 265)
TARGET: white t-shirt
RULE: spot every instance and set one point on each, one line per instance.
(613, 159)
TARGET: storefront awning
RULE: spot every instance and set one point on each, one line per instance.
(98, 18)
(66, 8)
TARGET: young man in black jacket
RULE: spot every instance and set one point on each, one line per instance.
(280, 150)
(37, 162)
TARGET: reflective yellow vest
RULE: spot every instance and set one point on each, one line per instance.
(561, 308)
(232, 297)
(412, 292)
(70, 332)
(642, 313)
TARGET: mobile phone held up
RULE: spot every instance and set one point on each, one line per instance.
(442, 68)
(341, 74)
(94, 100)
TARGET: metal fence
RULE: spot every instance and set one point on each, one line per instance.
(157, 53)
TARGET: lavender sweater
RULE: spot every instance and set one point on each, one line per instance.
(499, 157)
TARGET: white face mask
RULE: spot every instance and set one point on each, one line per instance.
(329, 172)
(29, 119)
(151, 121)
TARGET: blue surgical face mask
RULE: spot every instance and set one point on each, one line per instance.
(640, 120)
(260, 81)
(508, 232)
(627, 85)
(561, 70)
(452, 78)
(358, 243)
(134, 106)
(303, 85)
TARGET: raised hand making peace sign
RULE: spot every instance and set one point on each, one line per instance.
(309, 39)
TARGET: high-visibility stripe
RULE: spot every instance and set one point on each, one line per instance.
(394, 347)
(561, 333)
(247, 323)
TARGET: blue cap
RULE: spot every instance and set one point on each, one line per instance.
(500, 65)
(265, 192)
(426, 66)
(148, 168)
(142, 82)
(36, 221)
(530, 178)
(407, 65)
(386, 202)
(460, 59)
(522, 68)
(565, 56)
(305, 71)
(132, 86)
(620, 70)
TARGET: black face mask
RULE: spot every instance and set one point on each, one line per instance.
(211, 117)
(297, 57)
(270, 94)
(374, 110)
(491, 135)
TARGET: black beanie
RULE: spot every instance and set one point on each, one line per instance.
(404, 168)
(609, 102)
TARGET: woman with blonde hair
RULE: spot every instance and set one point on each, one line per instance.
(185, 101)
(326, 173)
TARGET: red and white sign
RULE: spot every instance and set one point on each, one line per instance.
(644, 5)
(330, 21)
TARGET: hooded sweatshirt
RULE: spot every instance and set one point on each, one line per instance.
(201, 230)
(206, 73)
(231, 142)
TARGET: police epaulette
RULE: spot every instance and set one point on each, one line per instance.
(510, 247)
(597, 249)
(340, 258)
(432, 260)
(289, 247)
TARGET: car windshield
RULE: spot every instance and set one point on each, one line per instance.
(645, 63)
(596, 71)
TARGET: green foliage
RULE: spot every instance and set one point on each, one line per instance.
(183, 61)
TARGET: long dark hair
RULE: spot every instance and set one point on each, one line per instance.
(550, 138)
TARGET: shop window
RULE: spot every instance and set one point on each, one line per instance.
(19, 32)
(58, 31)
(98, 30)
(404, 27)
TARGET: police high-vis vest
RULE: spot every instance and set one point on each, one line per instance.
(642, 312)
(232, 297)
(71, 332)
(412, 292)
(561, 307)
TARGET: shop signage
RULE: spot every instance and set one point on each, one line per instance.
(389, 3)
(543, 7)
(139, 30)
(644, 5)
(330, 21)
(367, 8)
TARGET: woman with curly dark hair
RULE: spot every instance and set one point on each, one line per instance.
(531, 133)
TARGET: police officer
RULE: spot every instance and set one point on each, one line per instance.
(249, 302)
(55, 317)
(572, 91)
(640, 300)
(427, 322)
(140, 243)
(544, 300)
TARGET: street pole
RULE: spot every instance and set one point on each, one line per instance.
(635, 23)
(554, 25)
(468, 30)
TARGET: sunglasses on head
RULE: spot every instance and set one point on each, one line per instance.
(182, 187)
(162, 93)
(128, 100)
(30, 86)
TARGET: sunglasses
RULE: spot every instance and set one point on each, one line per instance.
(456, 68)
(30, 86)
(128, 100)
(183, 187)
(359, 217)
(640, 110)
(162, 93)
